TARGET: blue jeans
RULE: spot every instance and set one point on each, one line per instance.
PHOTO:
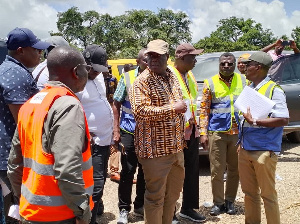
(100, 157)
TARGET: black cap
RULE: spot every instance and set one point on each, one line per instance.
(97, 57)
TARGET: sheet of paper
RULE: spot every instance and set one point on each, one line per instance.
(188, 113)
(260, 106)
(5, 190)
(14, 212)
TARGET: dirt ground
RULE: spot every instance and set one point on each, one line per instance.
(287, 185)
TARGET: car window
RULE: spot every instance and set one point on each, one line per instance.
(206, 68)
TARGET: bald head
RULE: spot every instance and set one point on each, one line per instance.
(62, 60)
(63, 65)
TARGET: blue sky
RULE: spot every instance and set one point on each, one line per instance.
(281, 16)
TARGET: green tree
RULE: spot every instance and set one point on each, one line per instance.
(123, 36)
(296, 35)
(236, 34)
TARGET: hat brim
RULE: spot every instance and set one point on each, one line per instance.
(196, 52)
(99, 68)
(155, 51)
(41, 45)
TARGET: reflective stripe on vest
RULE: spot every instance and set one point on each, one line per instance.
(189, 92)
(262, 138)
(127, 122)
(221, 109)
(41, 199)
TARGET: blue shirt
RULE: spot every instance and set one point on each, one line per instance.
(16, 87)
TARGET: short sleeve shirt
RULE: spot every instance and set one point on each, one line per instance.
(16, 87)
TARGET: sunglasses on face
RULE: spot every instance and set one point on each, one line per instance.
(228, 64)
(88, 68)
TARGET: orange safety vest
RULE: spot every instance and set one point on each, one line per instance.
(41, 199)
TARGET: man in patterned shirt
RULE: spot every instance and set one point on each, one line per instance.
(16, 87)
(157, 104)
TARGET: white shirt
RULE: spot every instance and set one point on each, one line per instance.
(98, 110)
(44, 76)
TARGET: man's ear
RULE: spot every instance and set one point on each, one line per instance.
(20, 50)
(74, 73)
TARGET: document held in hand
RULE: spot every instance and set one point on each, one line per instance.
(260, 105)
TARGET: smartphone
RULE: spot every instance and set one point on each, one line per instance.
(286, 43)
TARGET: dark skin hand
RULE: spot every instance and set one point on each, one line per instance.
(267, 122)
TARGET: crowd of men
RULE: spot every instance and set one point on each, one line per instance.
(59, 122)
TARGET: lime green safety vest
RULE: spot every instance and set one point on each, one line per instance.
(190, 92)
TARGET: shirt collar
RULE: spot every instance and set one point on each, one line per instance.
(11, 59)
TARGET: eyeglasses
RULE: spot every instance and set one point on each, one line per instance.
(88, 68)
(228, 63)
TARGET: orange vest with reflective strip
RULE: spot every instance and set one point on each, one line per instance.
(41, 199)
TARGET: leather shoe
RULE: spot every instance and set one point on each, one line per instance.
(230, 207)
(115, 177)
(217, 210)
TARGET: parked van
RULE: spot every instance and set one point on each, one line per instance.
(118, 65)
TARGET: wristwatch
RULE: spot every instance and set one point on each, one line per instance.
(254, 122)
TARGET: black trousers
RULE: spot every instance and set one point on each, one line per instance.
(190, 197)
(100, 157)
(129, 163)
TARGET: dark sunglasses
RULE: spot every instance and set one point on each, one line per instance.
(228, 64)
(88, 68)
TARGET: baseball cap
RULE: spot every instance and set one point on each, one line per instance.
(158, 46)
(97, 57)
(261, 57)
(185, 49)
(23, 37)
(57, 41)
(244, 57)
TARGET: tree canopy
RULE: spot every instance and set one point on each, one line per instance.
(123, 36)
(237, 34)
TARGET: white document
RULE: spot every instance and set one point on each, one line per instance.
(188, 113)
(14, 212)
(260, 105)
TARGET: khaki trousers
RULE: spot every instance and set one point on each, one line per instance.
(222, 154)
(164, 178)
(257, 175)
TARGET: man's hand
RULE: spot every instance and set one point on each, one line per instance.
(180, 107)
(248, 116)
(116, 137)
(204, 142)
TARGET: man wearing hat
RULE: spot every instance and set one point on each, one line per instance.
(41, 73)
(185, 61)
(158, 107)
(17, 86)
(100, 120)
(260, 143)
(241, 62)
(219, 131)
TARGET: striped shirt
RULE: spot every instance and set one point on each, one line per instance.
(159, 130)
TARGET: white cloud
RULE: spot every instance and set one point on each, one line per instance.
(41, 17)
(205, 15)
(32, 14)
